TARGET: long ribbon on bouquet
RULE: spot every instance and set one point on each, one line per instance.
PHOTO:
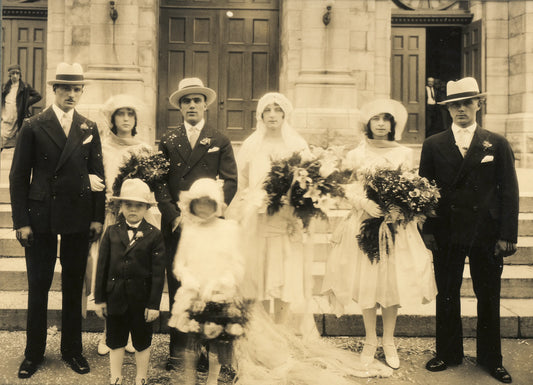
(386, 240)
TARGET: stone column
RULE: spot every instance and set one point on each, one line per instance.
(117, 57)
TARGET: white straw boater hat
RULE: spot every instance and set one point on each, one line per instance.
(192, 86)
(135, 190)
(380, 106)
(462, 89)
(68, 74)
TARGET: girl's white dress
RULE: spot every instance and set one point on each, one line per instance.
(405, 277)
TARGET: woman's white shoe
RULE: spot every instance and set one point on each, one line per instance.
(368, 353)
(391, 356)
(103, 349)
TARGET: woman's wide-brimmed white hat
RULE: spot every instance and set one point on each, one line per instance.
(68, 74)
(391, 106)
(189, 86)
(117, 102)
(465, 88)
(134, 190)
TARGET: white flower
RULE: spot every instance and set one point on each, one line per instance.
(327, 168)
(212, 330)
(84, 126)
(198, 306)
(205, 141)
(234, 329)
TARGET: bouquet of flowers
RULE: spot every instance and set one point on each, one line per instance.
(221, 321)
(403, 197)
(144, 164)
(307, 182)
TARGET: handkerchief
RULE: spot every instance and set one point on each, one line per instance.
(214, 149)
(487, 158)
(88, 139)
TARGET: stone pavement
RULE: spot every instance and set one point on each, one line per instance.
(414, 352)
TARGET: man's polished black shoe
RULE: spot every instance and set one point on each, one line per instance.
(203, 363)
(501, 374)
(78, 363)
(28, 368)
(436, 365)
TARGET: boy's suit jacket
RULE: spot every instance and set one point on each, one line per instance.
(130, 273)
(49, 178)
(479, 200)
(211, 157)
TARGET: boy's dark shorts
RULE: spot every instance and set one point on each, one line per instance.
(120, 325)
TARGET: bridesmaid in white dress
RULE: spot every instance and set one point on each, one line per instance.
(122, 116)
(406, 275)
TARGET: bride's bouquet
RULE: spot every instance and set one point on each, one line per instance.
(403, 197)
(307, 181)
(221, 320)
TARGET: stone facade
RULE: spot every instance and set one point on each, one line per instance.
(327, 71)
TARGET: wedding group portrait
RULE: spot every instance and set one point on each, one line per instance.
(266, 192)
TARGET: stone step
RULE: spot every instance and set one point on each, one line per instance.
(5, 216)
(414, 321)
(517, 280)
(525, 224)
(4, 193)
(526, 202)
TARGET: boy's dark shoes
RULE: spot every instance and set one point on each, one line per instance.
(78, 363)
(228, 373)
(203, 364)
(172, 364)
(27, 368)
(501, 374)
(436, 365)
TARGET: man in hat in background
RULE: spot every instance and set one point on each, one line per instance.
(17, 97)
(195, 150)
(50, 187)
(477, 216)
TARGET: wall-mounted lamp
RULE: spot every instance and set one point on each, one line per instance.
(113, 13)
(326, 18)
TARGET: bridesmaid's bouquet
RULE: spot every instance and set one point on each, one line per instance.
(307, 181)
(403, 197)
(151, 167)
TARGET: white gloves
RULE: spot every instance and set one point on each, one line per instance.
(371, 207)
(97, 183)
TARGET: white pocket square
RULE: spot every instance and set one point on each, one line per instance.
(214, 149)
(487, 158)
(88, 139)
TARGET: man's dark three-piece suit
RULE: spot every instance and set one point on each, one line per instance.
(50, 191)
(211, 157)
(478, 207)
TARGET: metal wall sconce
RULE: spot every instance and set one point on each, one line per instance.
(326, 18)
(113, 13)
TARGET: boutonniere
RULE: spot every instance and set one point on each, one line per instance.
(138, 235)
(205, 142)
(84, 126)
(486, 145)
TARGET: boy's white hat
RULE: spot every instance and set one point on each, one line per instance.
(204, 187)
(135, 190)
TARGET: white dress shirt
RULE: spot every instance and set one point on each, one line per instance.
(193, 132)
(463, 136)
(431, 95)
(65, 118)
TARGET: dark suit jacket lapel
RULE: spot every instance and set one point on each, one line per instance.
(449, 150)
(53, 128)
(200, 149)
(183, 147)
(74, 139)
(142, 231)
(474, 154)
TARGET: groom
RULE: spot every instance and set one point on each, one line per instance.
(195, 149)
(477, 217)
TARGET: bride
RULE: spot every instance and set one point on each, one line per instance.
(277, 272)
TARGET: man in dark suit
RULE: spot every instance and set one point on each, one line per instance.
(50, 187)
(432, 109)
(195, 150)
(477, 217)
(17, 97)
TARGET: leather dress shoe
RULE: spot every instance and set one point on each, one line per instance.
(28, 368)
(203, 364)
(78, 363)
(501, 374)
(436, 365)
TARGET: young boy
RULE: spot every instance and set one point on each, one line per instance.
(129, 279)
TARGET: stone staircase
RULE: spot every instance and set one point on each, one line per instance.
(516, 303)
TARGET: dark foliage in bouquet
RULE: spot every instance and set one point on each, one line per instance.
(220, 321)
(301, 183)
(146, 165)
(403, 197)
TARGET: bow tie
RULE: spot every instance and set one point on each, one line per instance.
(134, 229)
